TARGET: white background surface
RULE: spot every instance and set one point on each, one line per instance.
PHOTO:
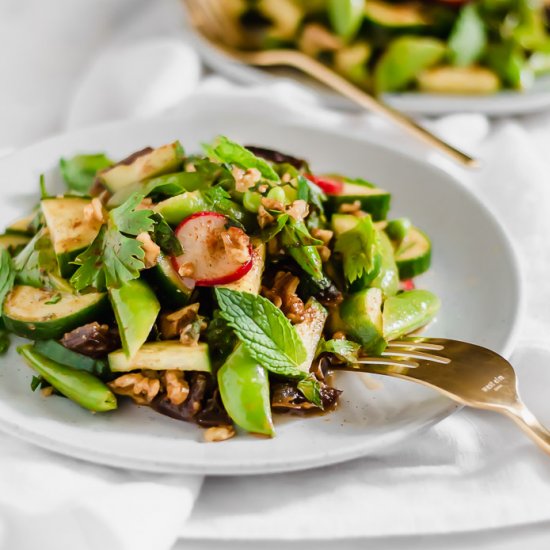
(46, 48)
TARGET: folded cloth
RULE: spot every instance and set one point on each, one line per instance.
(473, 471)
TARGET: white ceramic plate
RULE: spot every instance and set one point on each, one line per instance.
(474, 272)
(505, 103)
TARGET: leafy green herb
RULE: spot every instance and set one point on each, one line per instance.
(7, 274)
(220, 337)
(225, 150)
(54, 299)
(267, 334)
(36, 263)
(311, 193)
(4, 341)
(79, 171)
(219, 200)
(164, 236)
(359, 248)
(115, 256)
(43, 191)
(468, 38)
(311, 389)
(343, 349)
(272, 230)
(36, 382)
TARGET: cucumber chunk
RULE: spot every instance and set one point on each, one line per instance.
(387, 279)
(171, 290)
(175, 209)
(136, 308)
(252, 281)
(373, 200)
(41, 314)
(408, 311)
(166, 355)
(143, 165)
(13, 242)
(362, 315)
(22, 226)
(414, 256)
(70, 231)
(311, 330)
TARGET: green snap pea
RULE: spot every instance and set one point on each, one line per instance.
(277, 194)
(79, 386)
(252, 201)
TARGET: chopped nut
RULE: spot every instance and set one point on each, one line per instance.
(286, 177)
(94, 211)
(244, 180)
(219, 433)
(298, 210)
(186, 269)
(171, 324)
(152, 250)
(140, 388)
(272, 204)
(190, 167)
(350, 208)
(236, 243)
(264, 217)
(177, 389)
(324, 235)
(145, 204)
(47, 391)
(324, 253)
(316, 38)
(339, 335)
(283, 295)
(273, 246)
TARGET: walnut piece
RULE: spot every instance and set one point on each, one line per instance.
(94, 211)
(324, 235)
(185, 324)
(245, 179)
(272, 204)
(151, 249)
(186, 269)
(177, 389)
(219, 433)
(236, 243)
(140, 388)
(283, 295)
(298, 210)
(264, 217)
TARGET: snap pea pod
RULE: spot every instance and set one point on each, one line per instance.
(244, 389)
(79, 386)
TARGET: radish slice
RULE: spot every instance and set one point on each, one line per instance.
(328, 185)
(408, 284)
(214, 253)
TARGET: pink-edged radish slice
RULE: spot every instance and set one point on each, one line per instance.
(328, 185)
(214, 253)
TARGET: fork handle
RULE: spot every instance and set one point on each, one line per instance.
(319, 72)
(527, 421)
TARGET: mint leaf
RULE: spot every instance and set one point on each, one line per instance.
(7, 274)
(114, 258)
(311, 390)
(225, 150)
(359, 249)
(343, 349)
(267, 334)
(79, 171)
(163, 235)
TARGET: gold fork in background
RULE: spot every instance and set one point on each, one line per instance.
(469, 374)
(211, 20)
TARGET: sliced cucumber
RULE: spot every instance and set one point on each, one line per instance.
(171, 290)
(167, 355)
(362, 315)
(387, 279)
(459, 80)
(343, 222)
(414, 256)
(71, 232)
(136, 308)
(396, 16)
(252, 281)
(311, 329)
(23, 226)
(179, 207)
(373, 200)
(138, 167)
(408, 311)
(41, 314)
(13, 242)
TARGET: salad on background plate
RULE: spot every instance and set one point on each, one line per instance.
(461, 47)
(216, 288)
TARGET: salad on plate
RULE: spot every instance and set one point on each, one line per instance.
(459, 47)
(216, 288)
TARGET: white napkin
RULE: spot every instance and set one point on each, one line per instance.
(473, 471)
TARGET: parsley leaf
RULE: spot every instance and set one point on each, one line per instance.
(343, 349)
(79, 171)
(115, 258)
(267, 334)
(311, 390)
(225, 150)
(163, 235)
(359, 249)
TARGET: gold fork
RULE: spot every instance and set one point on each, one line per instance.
(469, 374)
(210, 19)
